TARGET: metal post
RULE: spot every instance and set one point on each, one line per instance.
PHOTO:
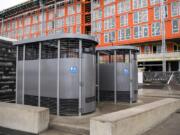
(169, 66)
(39, 75)
(55, 14)
(91, 16)
(80, 77)
(115, 77)
(98, 85)
(43, 18)
(58, 90)
(130, 76)
(17, 57)
(163, 27)
(94, 66)
(23, 73)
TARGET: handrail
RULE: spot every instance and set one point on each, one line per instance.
(168, 55)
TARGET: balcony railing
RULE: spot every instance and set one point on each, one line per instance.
(158, 56)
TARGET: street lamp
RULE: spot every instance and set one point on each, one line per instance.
(163, 30)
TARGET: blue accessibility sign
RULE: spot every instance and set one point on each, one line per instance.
(73, 70)
(126, 71)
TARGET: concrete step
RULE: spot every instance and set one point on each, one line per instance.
(73, 124)
(54, 132)
(70, 129)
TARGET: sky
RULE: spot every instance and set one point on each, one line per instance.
(4, 4)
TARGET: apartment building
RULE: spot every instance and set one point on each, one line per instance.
(113, 22)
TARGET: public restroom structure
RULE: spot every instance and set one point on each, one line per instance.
(117, 74)
(58, 72)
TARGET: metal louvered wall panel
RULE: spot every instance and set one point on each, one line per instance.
(7, 72)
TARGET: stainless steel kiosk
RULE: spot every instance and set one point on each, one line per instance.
(117, 74)
(58, 72)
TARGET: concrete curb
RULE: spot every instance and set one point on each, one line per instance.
(24, 118)
(134, 121)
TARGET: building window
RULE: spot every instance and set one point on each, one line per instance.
(27, 21)
(35, 18)
(97, 14)
(147, 49)
(60, 23)
(175, 25)
(109, 23)
(109, 10)
(20, 22)
(121, 34)
(106, 37)
(153, 2)
(108, 1)
(40, 17)
(95, 3)
(27, 30)
(139, 48)
(136, 17)
(140, 16)
(78, 8)
(144, 16)
(50, 25)
(71, 10)
(97, 26)
(139, 4)
(175, 8)
(137, 32)
(50, 15)
(157, 13)
(158, 49)
(124, 34)
(34, 28)
(78, 29)
(145, 31)
(8, 26)
(78, 19)
(141, 31)
(19, 32)
(124, 6)
(60, 30)
(109, 37)
(13, 34)
(70, 20)
(128, 33)
(156, 29)
(13, 25)
(112, 36)
(69, 29)
(60, 12)
(176, 48)
(98, 37)
(124, 20)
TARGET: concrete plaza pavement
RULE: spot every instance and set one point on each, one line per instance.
(171, 126)
(83, 123)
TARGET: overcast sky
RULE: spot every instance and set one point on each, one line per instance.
(4, 4)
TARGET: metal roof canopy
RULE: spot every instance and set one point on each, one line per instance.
(56, 37)
(14, 9)
(27, 4)
(6, 40)
(112, 48)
